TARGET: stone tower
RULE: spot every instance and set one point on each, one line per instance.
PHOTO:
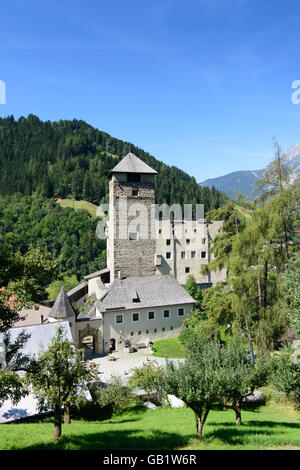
(130, 246)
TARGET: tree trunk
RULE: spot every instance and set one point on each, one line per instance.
(265, 284)
(238, 415)
(286, 242)
(250, 344)
(67, 416)
(200, 421)
(199, 427)
(57, 423)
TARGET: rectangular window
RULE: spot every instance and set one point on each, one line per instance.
(119, 318)
(135, 317)
(181, 312)
(203, 241)
(133, 236)
(168, 242)
(187, 241)
(183, 255)
(166, 313)
(187, 270)
(151, 315)
(203, 254)
(168, 255)
(193, 254)
(133, 177)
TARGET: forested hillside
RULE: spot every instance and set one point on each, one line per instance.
(67, 234)
(71, 157)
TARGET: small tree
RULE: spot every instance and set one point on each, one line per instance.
(292, 291)
(286, 375)
(115, 395)
(241, 376)
(197, 381)
(62, 378)
(150, 378)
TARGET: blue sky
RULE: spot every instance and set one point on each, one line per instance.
(200, 84)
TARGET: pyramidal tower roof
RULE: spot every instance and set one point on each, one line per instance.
(62, 307)
(132, 164)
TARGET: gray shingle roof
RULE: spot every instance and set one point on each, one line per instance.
(77, 288)
(62, 307)
(150, 291)
(40, 336)
(96, 274)
(132, 164)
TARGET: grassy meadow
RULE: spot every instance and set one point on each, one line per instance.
(88, 206)
(265, 428)
(170, 348)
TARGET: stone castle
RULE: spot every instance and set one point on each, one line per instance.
(139, 297)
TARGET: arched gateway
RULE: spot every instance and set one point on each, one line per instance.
(85, 334)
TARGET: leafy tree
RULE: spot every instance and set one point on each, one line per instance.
(62, 378)
(194, 290)
(150, 378)
(197, 314)
(67, 282)
(242, 376)
(197, 381)
(23, 279)
(115, 394)
(276, 181)
(292, 291)
(234, 222)
(286, 375)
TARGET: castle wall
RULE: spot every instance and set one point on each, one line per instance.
(186, 250)
(144, 330)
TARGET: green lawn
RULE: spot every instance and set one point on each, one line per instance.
(169, 348)
(267, 427)
(88, 206)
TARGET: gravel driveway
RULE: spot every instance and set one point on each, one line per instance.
(125, 363)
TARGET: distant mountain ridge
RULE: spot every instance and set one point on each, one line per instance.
(244, 181)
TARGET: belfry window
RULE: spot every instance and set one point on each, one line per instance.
(133, 177)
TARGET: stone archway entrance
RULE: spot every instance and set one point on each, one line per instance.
(88, 341)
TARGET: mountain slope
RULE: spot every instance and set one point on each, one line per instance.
(244, 181)
(56, 159)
